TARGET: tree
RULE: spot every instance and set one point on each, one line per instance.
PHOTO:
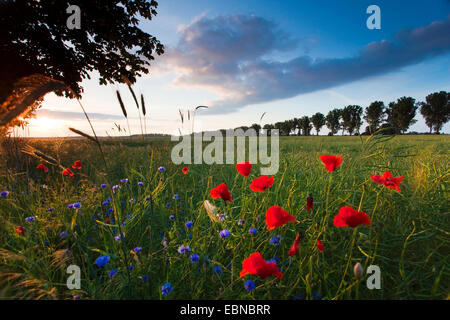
(401, 114)
(256, 127)
(351, 118)
(35, 39)
(374, 115)
(436, 110)
(305, 125)
(332, 121)
(318, 121)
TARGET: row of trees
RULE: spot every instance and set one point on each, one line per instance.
(395, 118)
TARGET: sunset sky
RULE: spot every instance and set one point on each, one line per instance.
(288, 59)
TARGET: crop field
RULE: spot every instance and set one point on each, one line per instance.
(136, 225)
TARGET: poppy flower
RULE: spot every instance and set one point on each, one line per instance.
(388, 181)
(262, 183)
(244, 168)
(331, 162)
(276, 217)
(67, 172)
(77, 165)
(221, 191)
(256, 265)
(349, 217)
(20, 230)
(185, 170)
(293, 251)
(41, 167)
(320, 245)
(309, 203)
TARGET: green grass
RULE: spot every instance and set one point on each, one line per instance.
(409, 238)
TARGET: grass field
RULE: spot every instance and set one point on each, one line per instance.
(409, 238)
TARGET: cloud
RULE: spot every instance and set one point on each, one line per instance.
(74, 116)
(231, 55)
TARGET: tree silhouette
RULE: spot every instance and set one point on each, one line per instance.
(374, 115)
(401, 114)
(305, 125)
(351, 118)
(332, 121)
(318, 121)
(436, 110)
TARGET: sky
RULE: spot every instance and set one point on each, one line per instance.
(285, 59)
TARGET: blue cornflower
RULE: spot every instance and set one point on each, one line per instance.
(77, 205)
(194, 257)
(176, 196)
(241, 222)
(148, 198)
(168, 204)
(110, 210)
(63, 234)
(112, 273)
(144, 278)
(30, 219)
(50, 209)
(118, 238)
(190, 236)
(130, 267)
(4, 194)
(189, 224)
(70, 206)
(140, 184)
(253, 231)
(166, 289)
(218, 269)
(105, 203)
(46, 242)
(224, 233)
(132, 200)
(172, 217)
(125, 180)
(102, 260)
(249, 285)
(161, 169)
(103, 185)
(183, 249)
(115, 188)
(138, 249)
(275, 240)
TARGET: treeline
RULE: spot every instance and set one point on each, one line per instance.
(395, 118)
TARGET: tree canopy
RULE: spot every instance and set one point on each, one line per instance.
(436, 110)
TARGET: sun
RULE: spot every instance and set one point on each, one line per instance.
(44, 126)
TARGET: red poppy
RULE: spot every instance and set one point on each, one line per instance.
(349, 217)
(388, 181)
(256, 265)
(221, 191)
(309, 203)
(244, 168)
(320, 245)
(20, 230)
(77, 164)
(108, 220)
(293, 251)
(276, 217)
(331, 162)
(41, 167)
(67, 172)
(185, 170)
(262, 183)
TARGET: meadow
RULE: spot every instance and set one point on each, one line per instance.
(140, 229)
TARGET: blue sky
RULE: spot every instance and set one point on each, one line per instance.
(288, 59)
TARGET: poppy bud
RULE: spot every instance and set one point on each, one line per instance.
(358, 271)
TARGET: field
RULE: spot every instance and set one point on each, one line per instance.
(409, 238)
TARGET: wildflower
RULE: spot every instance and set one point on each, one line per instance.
(115, 188)
(132, 200)
(194, 257)
(125, 180)
(4, 194)
(168, 204)
(309, 203)
(112, 273)
(77, 165)
(256, 265)
(293, 251)
(130, 267)
(222, 217)
(137, 249)
(221, 191)
(171, 217)
(50, 209)
(261, 184)
(77, 205)
(144, 278)
(67, 172)
(218, 269)
(358, 271)
(148, 198)
(161, 169)
(42, 167)
(388, 181)
(249, 285)
(102, 260)
(63, 234)
(276, 217)
(320, 245)
(244, 168)
(140, 184)
(224, 233)
(183, 249)
(176, 196)
(241, 222)
(20, 230)
(275, 240)
(30, 219)
(70, 206)
(349, 217)
(185, 170)
(331, 162)
(103, 185)
(118, 238)
(253, 230)
(189, 224)
(106, 202)
(166, 289)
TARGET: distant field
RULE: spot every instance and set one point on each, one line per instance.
(409, 238)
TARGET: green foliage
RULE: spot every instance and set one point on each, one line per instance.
(401, 113)
(436, 110)
(373, 114)
(332, 120)
(318, 121)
